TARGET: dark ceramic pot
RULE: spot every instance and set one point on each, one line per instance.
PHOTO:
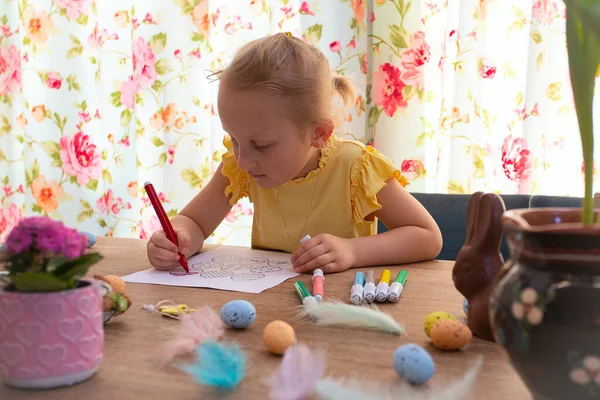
(545, 306)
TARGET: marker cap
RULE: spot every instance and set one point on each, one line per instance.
(369, 292)
(395, 292)
(382, 292)
(318, 272)
(356, 294)
(310, 301)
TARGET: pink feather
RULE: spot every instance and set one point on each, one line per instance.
(196, 328)
(298, 374)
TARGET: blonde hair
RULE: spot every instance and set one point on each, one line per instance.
(294, 70)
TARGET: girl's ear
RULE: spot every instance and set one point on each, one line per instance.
(322, 133)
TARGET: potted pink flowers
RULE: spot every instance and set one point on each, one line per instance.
(51, 324)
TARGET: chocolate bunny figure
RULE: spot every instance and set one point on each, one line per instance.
(479, 260)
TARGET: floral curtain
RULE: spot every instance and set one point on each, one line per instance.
(97, 97)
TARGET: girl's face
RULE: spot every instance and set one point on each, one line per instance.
(266, 142)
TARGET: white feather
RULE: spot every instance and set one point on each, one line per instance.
(364, 316)
(337, 389)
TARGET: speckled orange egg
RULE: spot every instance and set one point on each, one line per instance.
(278, 336)
(449, 334)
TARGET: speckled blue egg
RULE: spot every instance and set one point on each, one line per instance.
(238, 314)
(413, 363)
(466, 306)
(90, 237)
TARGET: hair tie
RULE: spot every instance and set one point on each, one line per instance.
(289, 34)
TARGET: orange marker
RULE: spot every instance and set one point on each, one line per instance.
(318, 284)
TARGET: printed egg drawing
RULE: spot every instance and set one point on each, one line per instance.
(247, 277)
(261, 269)
(413, 363)
(449, 334)
(238, 314)
(434, 317)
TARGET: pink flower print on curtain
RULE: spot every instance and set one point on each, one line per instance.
(10, 70)
(80, 158)
(387, 89)
(414, 60)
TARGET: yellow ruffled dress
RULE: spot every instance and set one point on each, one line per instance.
(350, 174)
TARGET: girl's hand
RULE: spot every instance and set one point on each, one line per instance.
(328, 252)
(162, 253)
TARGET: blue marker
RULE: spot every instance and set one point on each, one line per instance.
(356, 293)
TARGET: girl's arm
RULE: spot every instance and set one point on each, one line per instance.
(413, 233)
(203, 214)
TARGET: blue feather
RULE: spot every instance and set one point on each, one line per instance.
(217, 364)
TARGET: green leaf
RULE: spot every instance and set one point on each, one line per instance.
(162, 159)
(6, 126)
(92, 184)
(26, 41)
(456, 188)
(77, 268)
(106, 176)
(536, 36)
(191, 176)
(583, 51)
(313, 33)
(51, 148)
(408, 92)
(93, 60)
(172, 213)
(38, 282)
(102, 222)
(4, 20)
(37, 209)
(6, 99)
(353, 23)
(158, 42)
(157, 85)
(115, 99)
(35, 169)
(156, 141)
(196, 37)
(421, 139)
(519, 99)
(82, 19)
(73, 180)
(83, 215)
(20, 138)
(126, 117)
(398, 36)
(540, 61)
(162, 66)
(374, 114)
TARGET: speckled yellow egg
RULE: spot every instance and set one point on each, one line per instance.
(434, 317)
(448, 334)
(278, 336)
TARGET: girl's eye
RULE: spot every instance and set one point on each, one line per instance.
(261, 147)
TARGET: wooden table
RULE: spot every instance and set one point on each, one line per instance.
(131, 340)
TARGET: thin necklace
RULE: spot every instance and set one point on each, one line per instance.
(305, 219)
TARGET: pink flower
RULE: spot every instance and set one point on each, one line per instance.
(146, 227)
(305, 9)
(10, 69)
(177, 54)
(412, 169)
(195, 53)
(97, 38)
(74, 244)
(7, 191)
(143, 63)
(371, 17)
(335, 46)
(9, 217)
(149, 19)
(257, 6)
(414, 60)
(486, 70)
(18, 240)
(352, 44)
(545, 11)
(125, 141)
(84, 116)
(387, 89)
(107, 204)
(53, 80)
(75, 7)
(80, 158)
(128, 92)
(516, 159)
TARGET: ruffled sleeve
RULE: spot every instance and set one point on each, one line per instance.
(239, 179)
(368, 175)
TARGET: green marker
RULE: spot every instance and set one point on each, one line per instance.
(304, 294)
(397, 287)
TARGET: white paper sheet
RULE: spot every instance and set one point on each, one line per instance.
(239, 269)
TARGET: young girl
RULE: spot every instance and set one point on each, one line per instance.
(275, 103)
